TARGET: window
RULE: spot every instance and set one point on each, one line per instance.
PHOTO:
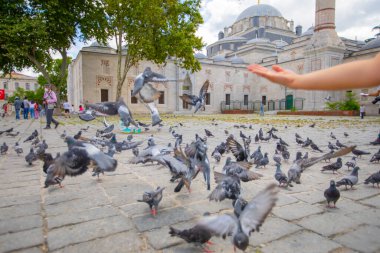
(35, 86)
(185, 105)
(105, 66)
(5, 85)
(27, 86)
(17, 85)
(245, 99)
(133, 99)
(228, 99)
(103, 95)
(161, 99)
(208, 101)
(264, 100)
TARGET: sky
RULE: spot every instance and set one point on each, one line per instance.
(354, 18)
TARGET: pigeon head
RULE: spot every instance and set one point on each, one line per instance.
(228, 161)
(241, 241)
(332, 183)
(339, 159)
(69, 140)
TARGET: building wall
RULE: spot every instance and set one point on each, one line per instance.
(9, 84)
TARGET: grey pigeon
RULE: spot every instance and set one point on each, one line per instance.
(345, 134)
(18, 149)
(208, 133)
(63, 135)
(349, 180)
(240, 169)
(298, 136)
(359, 153)
(257, 139)
(263, 161)
(352, 163)
(286, 155)
(153, 198)
(332, 136)
(315, 147)
(340, 145)
(300, 141)
(298, 156)
(280, 176)
(257, 153)
(197, 101)
(31, 157)
(334, 166)
(217, 156)
(332, 147)
(239, 228)
(13, 134)
(332, 194)
(282, 142)
(277, 157)
(32, 136)
(312, 125)
(228, 187)
(373, 179)
(306, 155)
(375, 157)
(4, 149)
(307, 142)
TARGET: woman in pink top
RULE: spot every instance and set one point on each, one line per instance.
(50, 100)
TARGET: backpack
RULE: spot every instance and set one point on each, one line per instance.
(22, 104)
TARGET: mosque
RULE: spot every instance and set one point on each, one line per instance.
(260, 34)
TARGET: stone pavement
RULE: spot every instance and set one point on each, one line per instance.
(88, 215)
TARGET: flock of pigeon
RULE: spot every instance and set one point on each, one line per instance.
(186, 161)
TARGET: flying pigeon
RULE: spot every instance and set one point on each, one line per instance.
(239, 228)
(228, 187)
(350, 180)
(334, 166)
(241, 170)
(332, 194)
(153, 198)
(373, 179)
(237, 149)
(197, 101)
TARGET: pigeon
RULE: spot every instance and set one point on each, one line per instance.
(282, 142)
(332, 136)
(111, 108)
(345, 134)
(63, 135)
(238, 151)
(332, 194)
(197, 101)
(274, 136)
(332, 147)
(4, 149)
(6, 131)
(359, 153)
(298, 156)
(74, 162)
(256, 153)
(153, 198)
(352, 163)
(12, 134)
(315, 147)
(262, 138)
(328, 98)
(228, 187)
(31, 157)
(78, 135)
(250, 219)
(261, 133)
(85, 129)
(286, 155)
(375, 157)
(299, 141)
(226, 132)
(32, 136)
(243, 136)
(263, 162)
(280, 176)
(312, 125)
(350, 180)
(306, 155)
(18, 149)
(340, 145)
(277, 157)
(280, 147)
(208, 133)
(257, 138)
(48, 160)
(307, 142)
(240, 169)
(334, 166)
(298, 136)
(373, 179)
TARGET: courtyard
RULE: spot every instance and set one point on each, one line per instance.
(90, 215)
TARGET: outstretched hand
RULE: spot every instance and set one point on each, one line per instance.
(278, 75)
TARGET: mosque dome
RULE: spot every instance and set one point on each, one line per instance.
(200, 56)
(259, 10)
(372, 44)
(309, 31)
(237, 60)
(97, 44)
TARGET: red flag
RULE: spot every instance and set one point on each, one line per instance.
(2, 94)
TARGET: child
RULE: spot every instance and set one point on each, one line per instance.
(81, 108)
(362, 111)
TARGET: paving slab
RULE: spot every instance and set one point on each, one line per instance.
(363, 239)
(296, 211)
(21, 240)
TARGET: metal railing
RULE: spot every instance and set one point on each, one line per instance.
(272, 105)
(236, 105)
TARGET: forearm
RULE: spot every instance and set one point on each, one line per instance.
(354, 75)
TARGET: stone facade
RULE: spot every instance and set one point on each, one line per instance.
(259, 35)
(11, 82)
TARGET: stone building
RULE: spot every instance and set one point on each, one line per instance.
(15, 80)
(260, 35)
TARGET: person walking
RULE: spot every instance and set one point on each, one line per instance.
(31, 109)
(362, 111)
(17, 104)
(26, 108)
(50, 100)
(261, 109)
(36, 111)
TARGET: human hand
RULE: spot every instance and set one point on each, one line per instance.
(278, 75)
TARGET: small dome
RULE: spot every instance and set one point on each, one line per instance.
(372, 44)
(219, 57)
(200, 56)
(280, 43)
(97, 44)
(258, 41)
(309, 31)
(259, 10)
(237, 60)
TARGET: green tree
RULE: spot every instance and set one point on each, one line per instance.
(36, 96)
(349, 104)
(31, 31)
(153, 30)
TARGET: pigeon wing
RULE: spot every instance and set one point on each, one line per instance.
(220, 226)
(311, 161)
(204, 89)
(258, 209)
(234, 146)
(87, 115)
(188, 99)
(103, 161)
(108, 108)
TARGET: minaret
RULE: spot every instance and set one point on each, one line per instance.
(325, 49)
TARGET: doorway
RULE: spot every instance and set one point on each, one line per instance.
(289, 102)
(103, 95)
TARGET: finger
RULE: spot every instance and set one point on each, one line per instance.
(255, 67)
(277, 68)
